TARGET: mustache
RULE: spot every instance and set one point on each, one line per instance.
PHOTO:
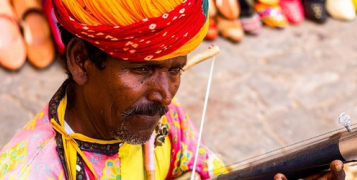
(149, 108)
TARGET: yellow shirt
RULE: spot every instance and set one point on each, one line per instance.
(132, 161)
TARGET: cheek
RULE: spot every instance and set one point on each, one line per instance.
(125, 94)
(132, 89)
(175, 84)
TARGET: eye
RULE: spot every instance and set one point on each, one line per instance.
(176, 70)
(140, 70)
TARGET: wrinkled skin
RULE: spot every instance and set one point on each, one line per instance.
(125, 100)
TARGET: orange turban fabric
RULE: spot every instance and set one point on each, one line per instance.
(136, 30)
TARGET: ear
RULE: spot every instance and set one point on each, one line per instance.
(77, 60)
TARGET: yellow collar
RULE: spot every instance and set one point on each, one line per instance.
(70, 145)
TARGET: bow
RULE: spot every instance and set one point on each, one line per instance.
(149, 146)
(199, 59)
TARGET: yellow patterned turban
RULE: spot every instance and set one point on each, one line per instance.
(136, 30)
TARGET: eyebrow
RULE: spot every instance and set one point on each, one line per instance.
(156, 65)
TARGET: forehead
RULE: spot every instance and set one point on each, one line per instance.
(176, 61)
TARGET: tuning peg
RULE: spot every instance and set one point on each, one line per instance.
(345, 120)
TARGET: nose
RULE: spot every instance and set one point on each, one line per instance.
(160, 89)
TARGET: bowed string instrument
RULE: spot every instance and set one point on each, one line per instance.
(301, 159)
(295, 161)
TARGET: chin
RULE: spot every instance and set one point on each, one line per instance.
(134, 137)
(136, 129)
(140, 138)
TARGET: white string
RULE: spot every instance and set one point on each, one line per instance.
(202, 120)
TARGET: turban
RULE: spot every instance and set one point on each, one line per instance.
(136, 30)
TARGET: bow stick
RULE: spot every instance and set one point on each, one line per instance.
(149, 146)
(197, 58)
(203, 117)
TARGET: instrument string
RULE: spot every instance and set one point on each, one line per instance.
(349, 136)
(295, 146)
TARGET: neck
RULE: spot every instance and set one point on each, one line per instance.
(81, 118)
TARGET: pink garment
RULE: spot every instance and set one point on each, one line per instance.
(32, 154)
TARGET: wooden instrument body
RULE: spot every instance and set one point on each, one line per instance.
(302, 162)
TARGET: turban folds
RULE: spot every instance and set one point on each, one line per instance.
(136, 30)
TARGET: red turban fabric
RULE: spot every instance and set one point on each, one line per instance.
(154, 37)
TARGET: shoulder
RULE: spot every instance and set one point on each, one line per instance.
(175, 115)
(37, 129)
(178, 121)
(29, 151)
(184, 141)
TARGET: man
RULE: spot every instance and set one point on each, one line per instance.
(116, 93)
(124, 61)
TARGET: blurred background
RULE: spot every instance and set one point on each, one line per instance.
(285, 72)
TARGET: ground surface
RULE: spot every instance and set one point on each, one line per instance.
(268, 91)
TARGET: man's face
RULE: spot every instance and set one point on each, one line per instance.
(129, 98)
